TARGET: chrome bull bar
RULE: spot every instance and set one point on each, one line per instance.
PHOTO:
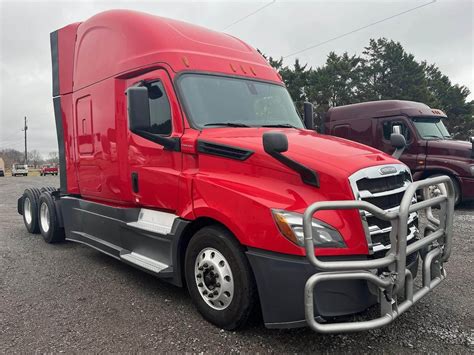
(389, 284)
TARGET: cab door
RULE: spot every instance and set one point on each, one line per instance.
(153, 169)
(410, 154)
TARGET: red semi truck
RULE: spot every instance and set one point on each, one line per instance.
(49, 169)
(182, 154)
(430, 150)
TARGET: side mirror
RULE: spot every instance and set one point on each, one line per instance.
(138, 108)
(399, 143)
(308, 115)
(471, 139)
(275, 142)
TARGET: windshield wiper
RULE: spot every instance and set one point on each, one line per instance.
(432, 136)
(279, 125)
(228, 124)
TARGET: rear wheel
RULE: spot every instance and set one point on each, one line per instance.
(48, 219)
(219, 278)
(30, 209)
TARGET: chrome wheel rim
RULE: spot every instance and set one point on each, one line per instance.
(214, 278)
(44, 217)
(434, 191)
(27, 210)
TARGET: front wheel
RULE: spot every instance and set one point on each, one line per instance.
(435, 191)
(219, 278)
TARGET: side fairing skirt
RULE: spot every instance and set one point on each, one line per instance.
(125, 234)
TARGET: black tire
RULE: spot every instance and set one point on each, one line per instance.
(31, 219)
(51, 230)
(48, 189)
(457, 192)
(244, 299)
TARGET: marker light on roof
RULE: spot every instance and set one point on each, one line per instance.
(185, 61)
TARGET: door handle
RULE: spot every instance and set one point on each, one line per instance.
(135, 182)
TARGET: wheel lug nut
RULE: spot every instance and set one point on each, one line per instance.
(215, 293)
(200, 268)
(205, 292)
(210, 295)
(200, 284)
(199, 276)
(218, 284)
(205, 265)
(211, 267)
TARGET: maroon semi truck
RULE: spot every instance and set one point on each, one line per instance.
(430, 150)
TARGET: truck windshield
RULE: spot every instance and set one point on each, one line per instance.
(431, 128)
(212, 101)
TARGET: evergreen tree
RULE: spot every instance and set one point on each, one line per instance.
(385, 71)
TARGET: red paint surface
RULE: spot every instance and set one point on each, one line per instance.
(117, 49)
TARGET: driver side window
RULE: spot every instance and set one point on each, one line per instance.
(160, 112)
(388, 129)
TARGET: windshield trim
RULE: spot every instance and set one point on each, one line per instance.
(180, 95)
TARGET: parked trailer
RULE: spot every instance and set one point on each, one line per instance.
(182, 154)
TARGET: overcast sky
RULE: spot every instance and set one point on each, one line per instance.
(441, 33)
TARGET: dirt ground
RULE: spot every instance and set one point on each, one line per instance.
(70, 298)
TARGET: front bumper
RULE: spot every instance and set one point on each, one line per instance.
(435, 248)
(281, 281)
(337, 286)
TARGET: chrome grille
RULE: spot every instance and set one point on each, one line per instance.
(385, 191)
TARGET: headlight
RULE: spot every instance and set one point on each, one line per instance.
(290, 225)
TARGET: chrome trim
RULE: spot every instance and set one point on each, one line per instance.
(374, 172)
(374, 230)
(368, 194)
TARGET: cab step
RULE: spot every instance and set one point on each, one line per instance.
(143, 262)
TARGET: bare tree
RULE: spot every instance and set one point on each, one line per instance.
(53, 158)
(11, 156)
(35, 158)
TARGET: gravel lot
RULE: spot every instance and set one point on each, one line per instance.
(68, 297)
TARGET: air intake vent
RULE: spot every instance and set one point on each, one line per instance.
(222, 150)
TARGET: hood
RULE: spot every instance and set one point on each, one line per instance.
(324, 154)
(452, 148)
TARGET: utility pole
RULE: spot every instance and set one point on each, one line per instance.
(26, 150)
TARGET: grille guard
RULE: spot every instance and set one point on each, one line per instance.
(437, 244)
